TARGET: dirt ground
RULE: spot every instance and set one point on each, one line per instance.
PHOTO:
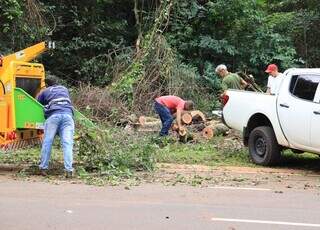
(277, 179)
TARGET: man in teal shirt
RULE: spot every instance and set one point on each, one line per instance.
(230, 80)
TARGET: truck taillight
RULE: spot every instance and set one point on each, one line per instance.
(224, 99)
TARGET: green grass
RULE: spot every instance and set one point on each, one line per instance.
(210, 153)
(29, 156)
(306, 161)
(131, 155)
(204, 153)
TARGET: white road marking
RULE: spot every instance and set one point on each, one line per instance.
(266, 222)
(241, 188)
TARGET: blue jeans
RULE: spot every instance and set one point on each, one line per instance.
(63, 125)
(165, 117)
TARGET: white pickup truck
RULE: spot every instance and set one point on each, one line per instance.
(271, 123)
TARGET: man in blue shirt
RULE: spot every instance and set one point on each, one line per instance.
(58, 112)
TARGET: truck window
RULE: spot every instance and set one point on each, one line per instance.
(304, 86)
(293, 83)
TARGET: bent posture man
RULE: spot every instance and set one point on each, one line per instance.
(58, 112)
(166, 106)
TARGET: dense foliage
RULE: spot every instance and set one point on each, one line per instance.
(126, 42)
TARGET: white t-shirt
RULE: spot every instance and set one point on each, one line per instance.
(274, 83)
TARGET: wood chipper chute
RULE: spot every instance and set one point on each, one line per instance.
(21, 116)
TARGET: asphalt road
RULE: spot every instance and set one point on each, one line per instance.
(39, 205)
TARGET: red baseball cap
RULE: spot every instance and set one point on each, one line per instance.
(271, 67)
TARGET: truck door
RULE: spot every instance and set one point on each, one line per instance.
(315, 122)
(295, 107)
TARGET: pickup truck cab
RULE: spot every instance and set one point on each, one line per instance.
(271, 123)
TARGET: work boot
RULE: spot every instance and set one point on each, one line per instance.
(43, 172)
(68, 174)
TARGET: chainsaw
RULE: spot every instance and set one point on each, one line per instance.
(252, 85)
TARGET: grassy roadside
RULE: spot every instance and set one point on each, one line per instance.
(204, 153)
(163, 151)
(130, 157)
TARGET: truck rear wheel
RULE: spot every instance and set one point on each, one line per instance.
(263, 146)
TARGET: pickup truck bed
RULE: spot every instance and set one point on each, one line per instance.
(270, 123)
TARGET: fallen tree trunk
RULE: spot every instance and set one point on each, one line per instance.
(215, 130)
(153, 126)
(143, 120)
(198, 116)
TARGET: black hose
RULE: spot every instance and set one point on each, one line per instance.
(4, 88)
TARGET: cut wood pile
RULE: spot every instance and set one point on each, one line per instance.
(195, 126)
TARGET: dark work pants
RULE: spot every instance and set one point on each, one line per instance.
(165, 117)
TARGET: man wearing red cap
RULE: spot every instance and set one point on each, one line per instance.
(274, 80)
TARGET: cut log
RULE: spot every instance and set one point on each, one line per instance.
(183, 132)
(152, 124)
(198, 116)
(208, 132)
(143, 120)
(186, 118)
(174, 127)
(185, 135)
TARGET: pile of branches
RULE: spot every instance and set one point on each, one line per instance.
(113, 152)
(98, 104)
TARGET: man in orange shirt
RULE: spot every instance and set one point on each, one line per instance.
(169, 106)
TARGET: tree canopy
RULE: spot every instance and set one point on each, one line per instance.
(100, 41)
